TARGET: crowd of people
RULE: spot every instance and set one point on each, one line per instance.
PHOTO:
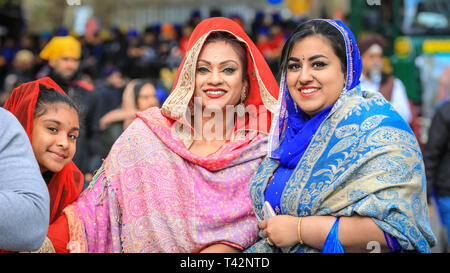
(108, 65)
(307, 162)
(136, 53)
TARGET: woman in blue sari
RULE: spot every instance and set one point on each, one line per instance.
(344, 171)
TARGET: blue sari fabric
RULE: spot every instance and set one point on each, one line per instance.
(332, 243)
(300, 129)
(356, 157)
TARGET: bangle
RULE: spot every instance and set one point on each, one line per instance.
(299, 230)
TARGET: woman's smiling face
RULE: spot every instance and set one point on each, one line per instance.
(314, 75)
(219, 76)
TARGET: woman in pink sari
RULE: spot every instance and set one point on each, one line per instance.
(172, 185)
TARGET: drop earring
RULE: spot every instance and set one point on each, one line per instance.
(240, 108)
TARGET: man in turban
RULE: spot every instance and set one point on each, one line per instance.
(374, 79)
(63, 54)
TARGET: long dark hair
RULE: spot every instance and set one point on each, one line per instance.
(316, 27)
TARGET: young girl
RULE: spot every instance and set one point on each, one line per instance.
(51, 120)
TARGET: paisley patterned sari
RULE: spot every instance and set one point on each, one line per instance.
(363, 159)
(153, 195)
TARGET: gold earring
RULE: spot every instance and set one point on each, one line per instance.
(240, 108)
(243, 95)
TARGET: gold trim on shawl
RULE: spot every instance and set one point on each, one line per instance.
(77, 242)
(47, 247)
(180, 98)
(176, 104)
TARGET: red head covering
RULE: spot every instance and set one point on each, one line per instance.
(66, 185)
(263, 85)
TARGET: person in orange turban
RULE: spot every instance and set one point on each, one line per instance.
(63, 55)
(61, 47)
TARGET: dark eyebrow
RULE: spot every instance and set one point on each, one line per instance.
(53, 120)
(224, 62)
(312, 58)
(59, 123)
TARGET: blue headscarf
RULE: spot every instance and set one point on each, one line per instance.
(300, 129)
(294, 129)
(354, 62)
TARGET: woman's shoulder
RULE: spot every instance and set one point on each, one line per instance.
(146, 120)
(367, 112)
(152, 111)
(370, 115)
(364, 104)
(153, 117)
(149, 128)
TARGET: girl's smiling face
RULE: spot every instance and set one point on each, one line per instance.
(54, 137)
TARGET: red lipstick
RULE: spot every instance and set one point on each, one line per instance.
(215, 93)
(308, 91)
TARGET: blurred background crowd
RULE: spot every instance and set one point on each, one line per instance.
(137, 45)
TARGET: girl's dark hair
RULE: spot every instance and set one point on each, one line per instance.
(316, 27)
(48, 96)
(239, 47)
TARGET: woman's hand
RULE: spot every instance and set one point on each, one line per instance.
(355, 232)
(281, 230)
